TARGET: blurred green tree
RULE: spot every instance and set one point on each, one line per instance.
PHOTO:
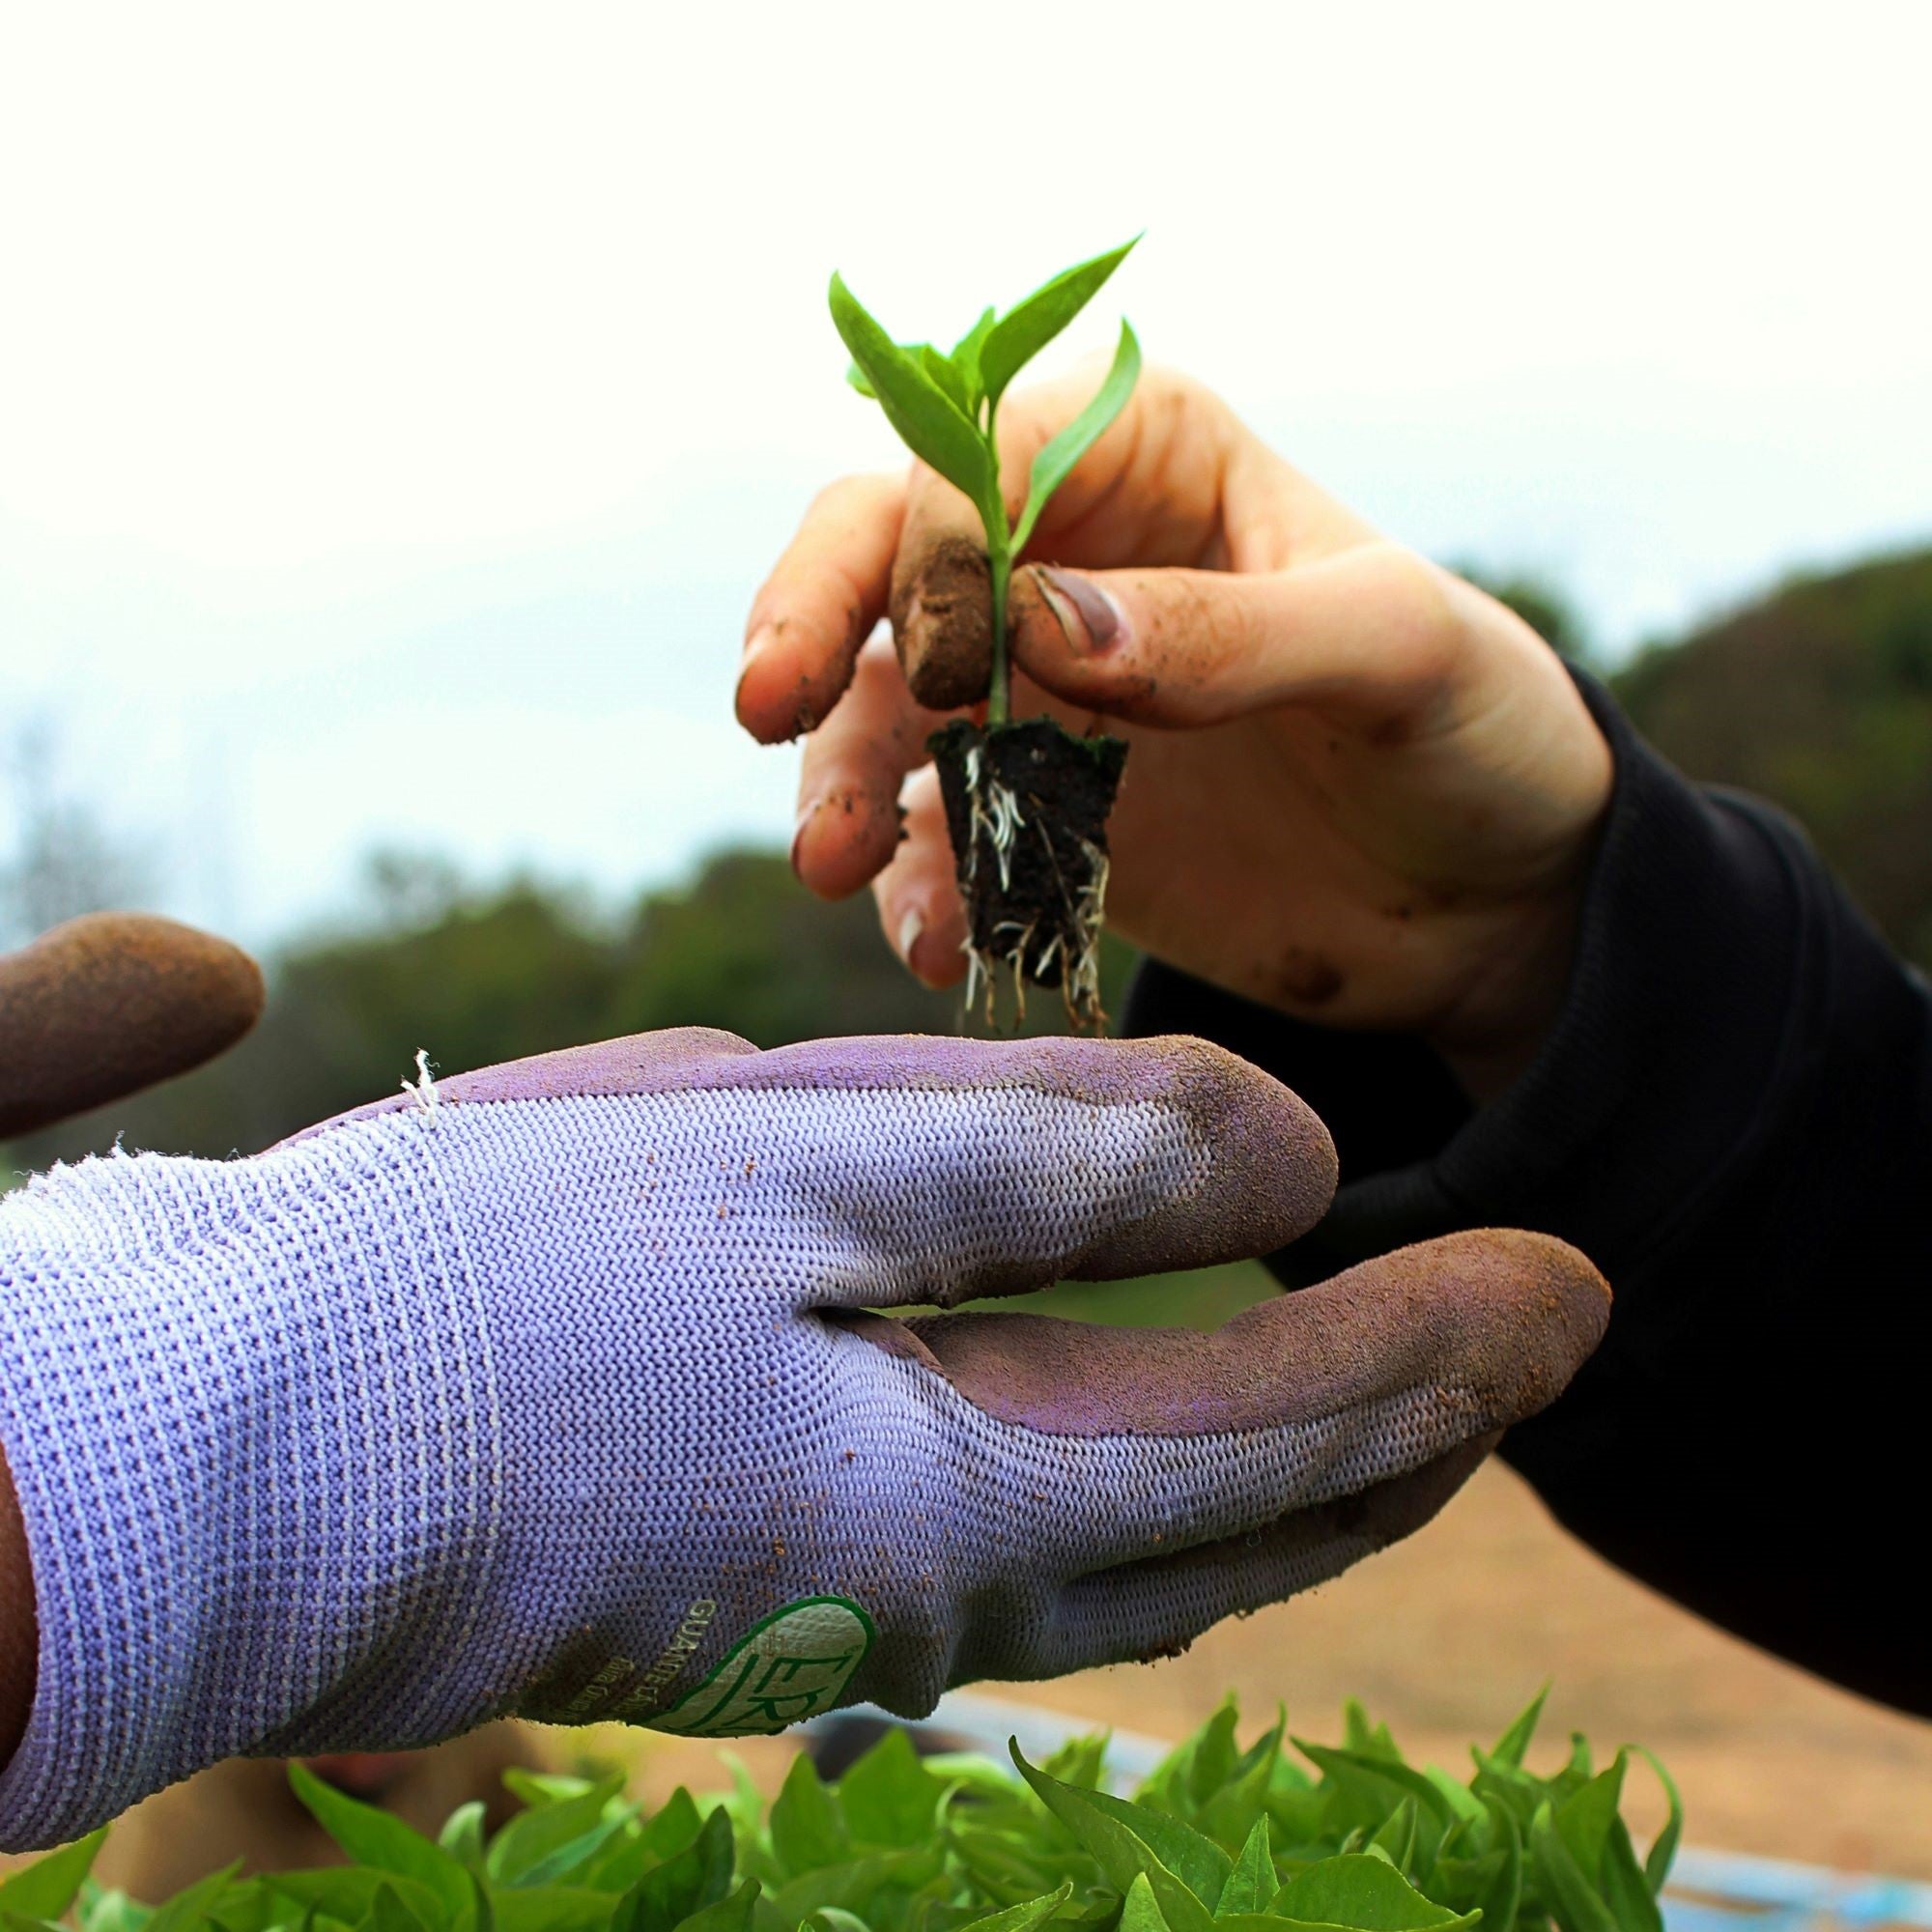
(473, 977)
(1819, 697)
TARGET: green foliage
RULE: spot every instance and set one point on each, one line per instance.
(1055, 463)
(945, 408)
(1221, 1838)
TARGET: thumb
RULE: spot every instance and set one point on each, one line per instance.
(1368, 632)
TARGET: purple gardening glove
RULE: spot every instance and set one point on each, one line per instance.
(552, 1389)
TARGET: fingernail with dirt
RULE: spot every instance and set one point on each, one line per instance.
(1089, 616)
(910, 928)
(806, 813)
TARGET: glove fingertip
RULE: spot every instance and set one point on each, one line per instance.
(1271, 1167)
(110, 1003)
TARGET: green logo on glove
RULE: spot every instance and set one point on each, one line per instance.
(791, 1666)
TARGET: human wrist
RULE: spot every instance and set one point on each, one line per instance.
(1492, 1036)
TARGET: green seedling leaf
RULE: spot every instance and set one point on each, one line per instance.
(192, 1908)
(1019, 335)
(1365, 1738)
(1625, 1889)
(1397, 1836)
(888, 1797)
(462, 1836)
(1464, 1802)
(1229, 1814)
(525, 1851)
(378, 1839)
(856, 376)
(389, 1913)
(1193, 1772)
(346, 1893)
(1253, 1882)
(1054, 464)
(928, 422)
(249, 1905)
(556, 1908)
(575, 1860)
(1081, 1761)
(808, 1823)
(731, 1913)
(537, 1788)
(1026, 1917)
(1139, 1913)
(1664, 1852)
(1516, 1791)
(1514, 1743)
(1567, 1890)
(115, 1912)
(675, 1826)
(1576, 1773)
(966, 358)
(1594, 1834)
(1126, 1838)
(696, 1877)
(940, 367)
(1362, 1891)
(1373, 1786)
(1585, 1819)
(853, 1886)
(1503, 1898)
(49, 1886)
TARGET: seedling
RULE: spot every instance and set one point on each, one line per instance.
(1221, 1838)
(1026, 801)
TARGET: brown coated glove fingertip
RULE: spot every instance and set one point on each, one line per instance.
(110, 1003)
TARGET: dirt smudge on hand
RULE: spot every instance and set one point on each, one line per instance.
(1308, 978)
(942, 610)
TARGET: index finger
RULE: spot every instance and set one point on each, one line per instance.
(818, 606)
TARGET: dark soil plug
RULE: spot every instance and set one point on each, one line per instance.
(1027, 807)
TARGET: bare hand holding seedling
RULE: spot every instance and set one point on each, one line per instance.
(1360, 789)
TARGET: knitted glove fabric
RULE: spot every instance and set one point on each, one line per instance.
(554, 1390)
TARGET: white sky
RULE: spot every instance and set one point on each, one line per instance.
(398, 406)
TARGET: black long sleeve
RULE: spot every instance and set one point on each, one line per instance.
(1732, 1116)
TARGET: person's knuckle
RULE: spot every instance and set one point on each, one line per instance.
(839, 499)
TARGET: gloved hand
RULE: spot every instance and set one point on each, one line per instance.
(95, 1008)
(553, 1389)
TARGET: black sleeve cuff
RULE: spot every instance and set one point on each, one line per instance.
(1678, 1020)
(1732, 1116)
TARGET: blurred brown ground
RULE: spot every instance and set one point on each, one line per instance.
(1447, 1635)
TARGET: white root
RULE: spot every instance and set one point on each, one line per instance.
(995, 817)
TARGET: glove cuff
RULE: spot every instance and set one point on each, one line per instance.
(250, 1419)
